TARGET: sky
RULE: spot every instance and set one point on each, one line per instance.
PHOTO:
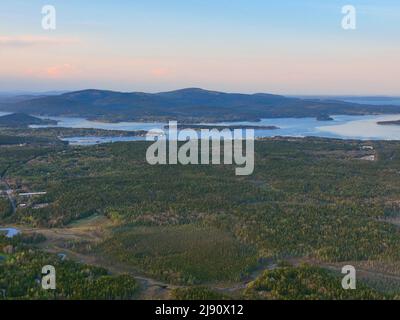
(286, 47)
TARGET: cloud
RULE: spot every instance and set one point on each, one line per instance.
(23, 41)
(160, 72)
(60, 71)
(57, 71)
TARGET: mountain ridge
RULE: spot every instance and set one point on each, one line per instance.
(185, 105)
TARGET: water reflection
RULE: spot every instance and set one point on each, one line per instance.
(344, 127)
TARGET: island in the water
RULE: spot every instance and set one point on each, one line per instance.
(23, 120)
(221, 127)
(389, 123)
(324, 117)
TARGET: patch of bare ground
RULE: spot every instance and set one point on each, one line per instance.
(234, 289)
(150, 288)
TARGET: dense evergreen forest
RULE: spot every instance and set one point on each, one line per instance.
(21, 277)
(201, 228)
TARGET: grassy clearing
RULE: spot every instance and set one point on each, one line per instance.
(91, 220)
(182, 254)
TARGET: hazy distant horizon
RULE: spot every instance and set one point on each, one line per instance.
(303, 96)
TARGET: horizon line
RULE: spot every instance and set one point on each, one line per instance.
(316, 95)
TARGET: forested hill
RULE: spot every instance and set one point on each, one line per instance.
(23, 120)
(186, 105)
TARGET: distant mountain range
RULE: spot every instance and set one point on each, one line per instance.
(186, 105)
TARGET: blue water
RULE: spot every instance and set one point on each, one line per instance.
(88, 141)
(376, 101)
(9, 232)
(74, 122)
(343, 127)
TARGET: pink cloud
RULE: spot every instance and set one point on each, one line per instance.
(160, 72)
(56, 71)
(59, 71)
